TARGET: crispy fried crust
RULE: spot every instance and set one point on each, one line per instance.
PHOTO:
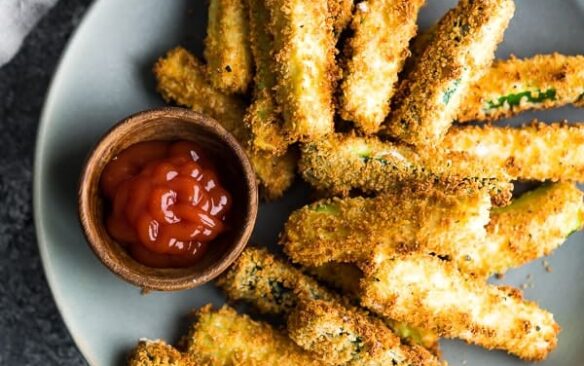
(424, 290)
(432, 221)
(342, 163)
(341, 12)
(344, 277)
(262, 117)
(180, 78)
(460, 52)
(157, 353)
(516, 85)
(227, 46)
(341, 336)
(275, 287)
(533, 152)
(378, 49)
(532, 226)
(304, 65)
(224, 337)
(270, 284)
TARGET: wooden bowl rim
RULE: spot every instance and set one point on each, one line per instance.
(157, 282)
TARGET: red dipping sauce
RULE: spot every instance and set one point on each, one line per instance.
(167, 203)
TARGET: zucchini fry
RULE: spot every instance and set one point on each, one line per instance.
(180, 77)
(424, 290)
(270, 284)
(516, 85)
(378, 49)
(532, 226)
(262, 117)
(275, 287)
(432, 221)
(157, 353)
(346, 278)
(341, 12)
(342, 163)
(340, 336)
(460, 52)
(223, 337)
(227, 46)
(533, 152)
(304, 65)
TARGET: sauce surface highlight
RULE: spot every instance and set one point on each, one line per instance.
(167, 203)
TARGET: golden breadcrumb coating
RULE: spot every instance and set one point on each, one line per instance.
(303, 61)
(342, 163)
(516, 85)
(180, 78)
(532, 226)
(275, 173)
(227, 46)
(224, 338)
(460, 52)
(532, 152)
(378, 49)
(341, 336)
(353, 229)
(276, 287)
(157, 353)
(262, 117)
(346, 278)
(427, 291)
(269, 283)
(341, 12)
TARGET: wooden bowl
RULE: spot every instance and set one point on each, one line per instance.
(236, 176)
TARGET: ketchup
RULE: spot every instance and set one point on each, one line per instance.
(167, 203)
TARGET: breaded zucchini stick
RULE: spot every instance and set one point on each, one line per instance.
(270, 284)
(378, 49)
(275, 287)
(180, 77)
(346, 278)
(227, 46)
(341, 12)
(157, 353)
(223, 337)
(516, 85)
(532, 226)
(425, 290)
(460, 52)
(342, 163)
(304, 63)
(262, 117)
(432, 221)
(341, 336)
(533, 152)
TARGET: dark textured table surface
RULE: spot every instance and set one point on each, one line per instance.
(31, 329)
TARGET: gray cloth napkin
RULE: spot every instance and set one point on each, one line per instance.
(17, 18)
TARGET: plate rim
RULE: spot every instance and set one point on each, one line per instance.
(37, 180)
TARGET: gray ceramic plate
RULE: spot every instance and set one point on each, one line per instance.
(105, 75)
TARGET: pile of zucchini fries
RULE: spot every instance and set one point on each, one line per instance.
(418, 210)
